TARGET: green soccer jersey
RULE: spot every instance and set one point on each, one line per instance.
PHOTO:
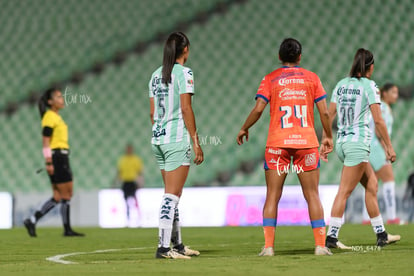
(353, 97)
(389, 120)
(169, 125)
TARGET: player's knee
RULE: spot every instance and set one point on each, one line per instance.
(313, 201)
(66, 195)
(344, 193)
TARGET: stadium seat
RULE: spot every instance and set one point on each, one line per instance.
(230, 54)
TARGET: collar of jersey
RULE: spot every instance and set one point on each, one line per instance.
(296, 66)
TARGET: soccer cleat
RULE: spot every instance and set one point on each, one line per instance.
(31, 227)
(332, 242)
(186, 251)
(170, 254)
(72, 233)
(384, 238)
(320, 251)
(267, 251)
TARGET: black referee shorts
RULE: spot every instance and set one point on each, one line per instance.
(62, 172)
(129, 188)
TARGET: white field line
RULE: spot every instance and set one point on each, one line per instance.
(60, 258)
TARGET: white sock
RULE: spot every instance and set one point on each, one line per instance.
(166, 216)
(334, 227)
(365, 216)
(377, 224)
(388, 190)
(176, 230)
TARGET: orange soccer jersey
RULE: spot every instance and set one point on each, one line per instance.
(291, 93)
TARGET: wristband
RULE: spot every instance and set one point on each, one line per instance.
(47, 152)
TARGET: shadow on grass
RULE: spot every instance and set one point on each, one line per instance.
(295, 251)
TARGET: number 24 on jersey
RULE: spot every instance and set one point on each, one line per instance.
(299, 111)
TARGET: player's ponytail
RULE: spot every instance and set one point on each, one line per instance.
(173, 49)
(43, 103)
(363, 59)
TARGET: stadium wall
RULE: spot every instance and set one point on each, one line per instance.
(212, 206)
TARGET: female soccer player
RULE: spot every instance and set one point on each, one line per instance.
(56, 154)
(378, 159)
(353, 98)
(173, 125)
(291, 92)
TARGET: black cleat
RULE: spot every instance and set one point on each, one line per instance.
(384, 239)
(185, 250)
(31, 227)
(332, 242)
(167, 253)
(72, 233)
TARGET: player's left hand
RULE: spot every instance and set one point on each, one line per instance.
(242, 133)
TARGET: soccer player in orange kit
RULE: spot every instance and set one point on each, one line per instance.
(291, 92)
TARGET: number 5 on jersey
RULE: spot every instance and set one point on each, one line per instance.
(161, 105)
(300, 113)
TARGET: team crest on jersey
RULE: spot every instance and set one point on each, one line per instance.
(190, 82)
(310, 159)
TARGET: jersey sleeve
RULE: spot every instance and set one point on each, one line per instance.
(151, 88)
(186, 81)
(263, 91)
(320, 93)
(384, 110)
(49, 120)
(334, 95)
(373, 93)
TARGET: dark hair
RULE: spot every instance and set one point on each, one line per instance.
(173, 49)
(386, 87)
(362, 61)
(290, 50)
(43, 101)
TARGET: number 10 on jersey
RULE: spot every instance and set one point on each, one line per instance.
(300, 112)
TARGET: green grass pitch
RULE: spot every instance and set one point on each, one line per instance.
(224, 251)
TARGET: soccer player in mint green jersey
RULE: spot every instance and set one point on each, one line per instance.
(353, 99)
(377, 157)
(173, 126)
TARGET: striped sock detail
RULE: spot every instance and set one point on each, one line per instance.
(46, 207)
(318, 223)
(65, 213)
(319, 232)
(269, 222)
(176, 231)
